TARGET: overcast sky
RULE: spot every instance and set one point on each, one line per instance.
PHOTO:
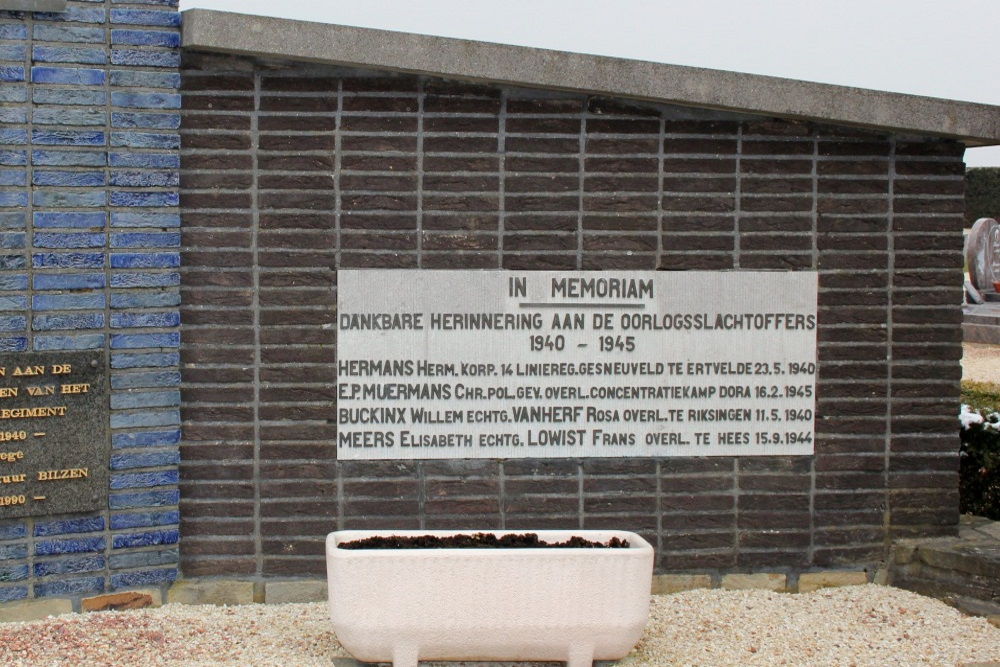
(924, 47)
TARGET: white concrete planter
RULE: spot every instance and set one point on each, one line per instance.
(405, 605)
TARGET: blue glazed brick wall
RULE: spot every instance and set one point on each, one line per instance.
(89, 259)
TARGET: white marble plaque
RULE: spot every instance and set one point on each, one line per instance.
(504, 364)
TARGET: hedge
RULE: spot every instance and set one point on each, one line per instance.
(982, 194)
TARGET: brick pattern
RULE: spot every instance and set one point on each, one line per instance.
(292, 172)
(89, 257)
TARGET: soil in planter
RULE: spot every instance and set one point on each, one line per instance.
(478, 541)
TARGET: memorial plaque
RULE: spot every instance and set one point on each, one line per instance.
(493, 364)
(54, 438)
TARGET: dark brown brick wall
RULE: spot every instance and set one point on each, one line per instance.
(291, 173)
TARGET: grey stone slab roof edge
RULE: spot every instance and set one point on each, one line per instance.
(56, 6)
(273, 38)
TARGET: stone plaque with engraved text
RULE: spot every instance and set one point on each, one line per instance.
(54, 438)
(493, 364)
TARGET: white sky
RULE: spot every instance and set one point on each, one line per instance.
(939, 48)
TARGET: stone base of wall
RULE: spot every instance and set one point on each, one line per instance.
(229, 591)
(981, 323)
(244, 591)
(963, 571)
(39, 608)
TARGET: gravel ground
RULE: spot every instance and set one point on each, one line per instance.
(858, 625)
(981, 362)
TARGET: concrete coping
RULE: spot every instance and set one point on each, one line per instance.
(33, 5)
(264, 37)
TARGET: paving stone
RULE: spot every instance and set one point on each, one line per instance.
(987, 528)
(217, 592)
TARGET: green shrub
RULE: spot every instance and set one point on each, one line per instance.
(982, 194)
(979, 455)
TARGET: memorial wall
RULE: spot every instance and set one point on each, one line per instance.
(89, 289)
(399, 313)
(249, 300)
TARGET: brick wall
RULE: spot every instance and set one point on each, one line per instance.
(291, 172)
(89, 256)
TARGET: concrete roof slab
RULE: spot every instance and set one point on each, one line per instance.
(265, 37)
